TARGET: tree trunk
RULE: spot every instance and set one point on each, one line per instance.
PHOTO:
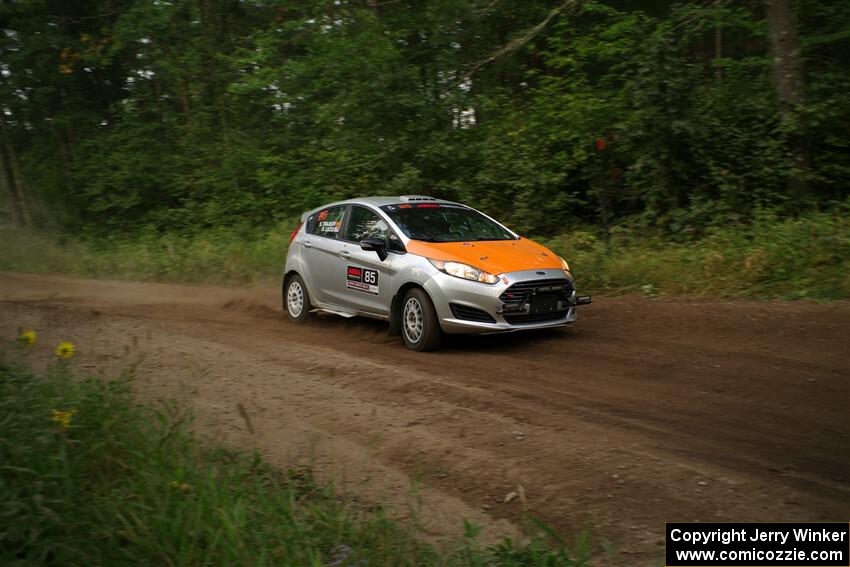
(7, 183)
(375, 7)
(790, 93)
(785, 50)
(12, 182)
(718, 50)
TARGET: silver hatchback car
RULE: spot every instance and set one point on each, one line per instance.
(427, 266)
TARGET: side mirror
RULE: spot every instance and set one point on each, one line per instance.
(378, 245)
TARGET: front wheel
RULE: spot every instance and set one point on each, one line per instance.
(420, 327)
(296, 302)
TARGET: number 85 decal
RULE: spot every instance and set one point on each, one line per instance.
(362, 279)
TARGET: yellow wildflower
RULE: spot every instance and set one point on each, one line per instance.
(63, 418)
(184, 486)
(64, 350)
(27, 337)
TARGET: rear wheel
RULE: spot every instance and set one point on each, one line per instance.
(420, 327)
(296, 302)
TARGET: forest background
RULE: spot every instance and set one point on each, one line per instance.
(689, 148)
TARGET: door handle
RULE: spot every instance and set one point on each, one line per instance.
(345, 254)
(308, 244)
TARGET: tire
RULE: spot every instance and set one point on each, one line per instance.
(295, 295)
(420, 328)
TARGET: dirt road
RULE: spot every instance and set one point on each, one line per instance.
(643, 412)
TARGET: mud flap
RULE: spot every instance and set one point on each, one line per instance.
(395, 318)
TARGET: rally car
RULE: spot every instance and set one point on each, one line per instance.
(426, 265)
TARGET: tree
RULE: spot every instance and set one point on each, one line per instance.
(788, 79)
(11, 180)
(786, 54)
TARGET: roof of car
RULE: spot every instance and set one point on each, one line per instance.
(380, 201)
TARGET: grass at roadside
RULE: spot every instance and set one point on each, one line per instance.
(215, 256)
(766, 258)
(89, 476)
(807, 257)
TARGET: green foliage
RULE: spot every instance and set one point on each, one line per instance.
(806, 257)
(113, 482)
(133, 116)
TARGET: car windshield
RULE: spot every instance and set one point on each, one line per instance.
(438, 222)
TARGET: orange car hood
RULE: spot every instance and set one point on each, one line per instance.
(494, 256)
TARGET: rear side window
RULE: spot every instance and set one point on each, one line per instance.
(327, 222)
(365, 224)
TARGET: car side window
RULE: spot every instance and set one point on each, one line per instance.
(327, 222)
(365, 224)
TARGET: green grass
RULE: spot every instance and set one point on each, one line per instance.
(214, 256)
(768, 257)
(127, 484)
(807, 257)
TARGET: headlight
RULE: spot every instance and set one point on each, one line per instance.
(465, 272)
(566, 268)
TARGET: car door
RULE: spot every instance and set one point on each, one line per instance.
(323, 249)
(368, 279)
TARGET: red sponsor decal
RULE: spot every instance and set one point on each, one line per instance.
(354, 272)
(323, 215)
(295, 232)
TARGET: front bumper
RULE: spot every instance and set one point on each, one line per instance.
(459, 301)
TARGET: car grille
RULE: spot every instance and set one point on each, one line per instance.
(470, 314)
(537, 300)
(538, 318)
